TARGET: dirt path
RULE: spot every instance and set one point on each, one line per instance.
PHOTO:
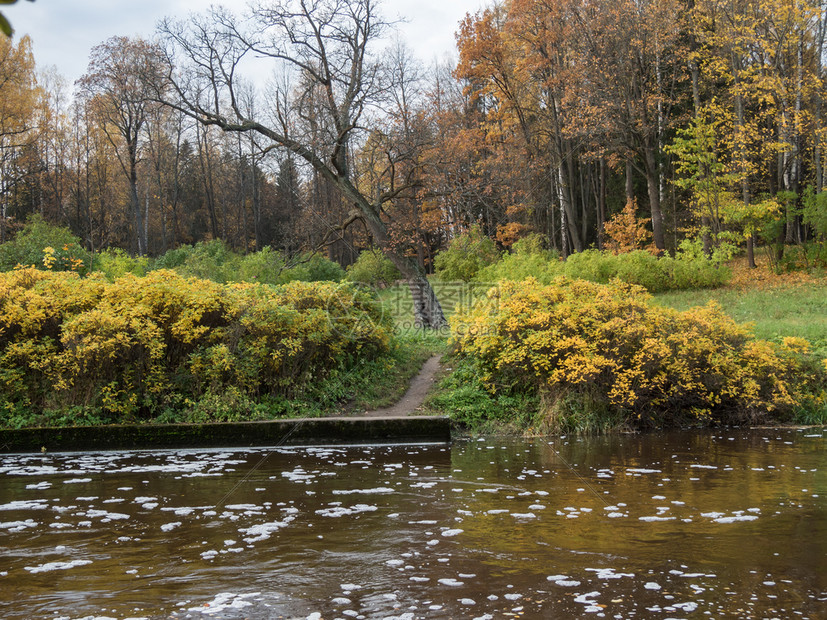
(417, 391)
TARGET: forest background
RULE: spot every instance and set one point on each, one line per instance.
(708, 115)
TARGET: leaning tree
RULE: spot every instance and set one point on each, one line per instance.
(327, 106)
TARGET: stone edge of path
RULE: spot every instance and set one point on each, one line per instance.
(359, 430)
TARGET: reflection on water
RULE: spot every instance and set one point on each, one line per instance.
(725, 524)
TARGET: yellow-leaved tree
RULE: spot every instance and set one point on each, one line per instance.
(19, 96)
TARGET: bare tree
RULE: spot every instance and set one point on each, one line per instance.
(117, 83)
(325, 46)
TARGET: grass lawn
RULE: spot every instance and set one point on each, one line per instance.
(776, 306)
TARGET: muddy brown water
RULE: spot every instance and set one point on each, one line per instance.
(681, 525)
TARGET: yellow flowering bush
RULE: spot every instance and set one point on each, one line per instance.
(135, 346)
(609, 344)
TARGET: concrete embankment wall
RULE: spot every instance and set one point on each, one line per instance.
(301, 432)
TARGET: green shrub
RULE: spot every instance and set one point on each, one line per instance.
(688, 270)
(593, 265)
(317, 268)
(265, 267)
(631, 361)
(465, 256)
(209, 260)
(527, 260)
(374, 269)
(692, 269)
(115, 262)
(171, 259)
(44, 246)
(644, 269)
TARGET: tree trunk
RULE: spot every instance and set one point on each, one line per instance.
(630, 185)
(134, 200)
(653, 189)
(570, 228)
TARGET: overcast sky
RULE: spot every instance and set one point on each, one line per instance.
(63, 31)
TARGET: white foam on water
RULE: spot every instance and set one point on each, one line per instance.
(167, 527)
(453, 583)
(735, 518)
(77, 481)
(467, 601)
(25, 504)
(225, 601)
(699, 466)
(376, 491)
(50, 566)
(608, 573)
(39, 486)
(450, 533)
(349, 587)
(642, 470)
(340, 511)
(245, 507)
(523, 515)
(18, 526)
(105, 515)
(651, 585)
(585, 599)
(263, 531)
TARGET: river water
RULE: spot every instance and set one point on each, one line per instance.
(679, 525)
